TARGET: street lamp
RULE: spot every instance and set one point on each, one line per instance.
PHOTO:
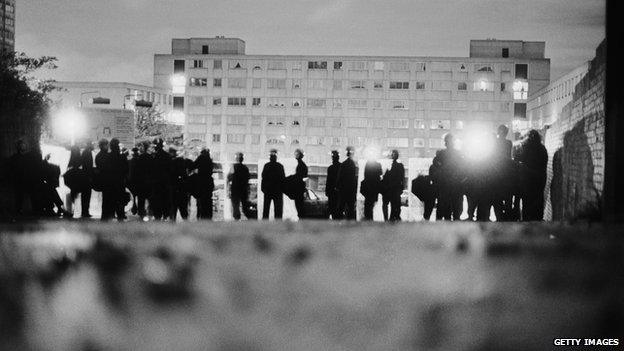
(70, 123)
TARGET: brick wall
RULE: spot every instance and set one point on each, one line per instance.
(575, 144)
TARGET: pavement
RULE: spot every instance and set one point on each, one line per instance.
(309, 285)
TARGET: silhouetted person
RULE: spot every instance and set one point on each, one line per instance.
(140, 168)
(347, 184)
(160, 176)
(503, 173)
(423, 188)
(22, 164)
(114, 193)
(51, 175)
(330, 186)
(75, 176)
(447, 176)
(371, 186)
(394, 183)
(301, 173)
(101, 178)
(239, 188)
(179, 178)
(272, 182)
(533, 159)
(205, 184)
(86, 162)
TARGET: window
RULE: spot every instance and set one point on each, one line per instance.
(502, 86)
(237, 83)
(275, 121)
(420, 85)
(276, 83)
(204, 49)
(198, 64)
(358, 65)
(377, 105)
(334, 123)
(216, 120)
(276, 102)
(296, 103)
(484, 68)
(440, 124)
(256, 83)
(419, 142)
(315, 122)
(216, 82)
(316, 103)
(421, 67)
(216, 101)
(296, 84)
(337, 103)
(379, 123)
(217, 64)
(357, 122)
(274, 140)
(357, 84)
(505, 52)
(236, 120)
(420, 124)
(277, 65)
(398, 123)
(337, 85)
(520, 110)
(178, 66)
(377, 85)
(398, 142)
(178, 103)
(236, 138)
(317, 64)
(316, 84)
(236, 65)
(255, 102)
(196, 136)
(237, 101)
(399, 104)
(199, 82)
(337, 65)
(197, 100)
(462, 86)
(399, 85)
(216, 138)
(195, 119)
(436, 143)
(357, 103)
(399, 66)
(379, 66)
(522, 71)
(483, 85)
(521, 90)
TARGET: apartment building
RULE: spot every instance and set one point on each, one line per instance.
(233, 101)
(7, 26)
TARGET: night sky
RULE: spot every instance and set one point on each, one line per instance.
(115, 40)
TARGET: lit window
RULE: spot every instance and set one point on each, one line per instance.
(377, 105)
(520, 89)
(315, 122)
(397, 142)
(357, 122)
(436, 143)
(440, 124)
(379, 66)
(483, 85)
(398, 123)
(197, 100)
(317, 64)
(199, 82)
(420, 124)
(236, 138)
(419, 142)
(399, 66)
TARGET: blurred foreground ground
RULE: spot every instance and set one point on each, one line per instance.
(308, 286)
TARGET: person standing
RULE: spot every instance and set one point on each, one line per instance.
(301, 174)
(75, 177)
(347, 183)
(533, 159)
(21, 172)
(205, 184)
(272, 181)
(371, 186)
(114, 194)
(330, 186)
(86, 162)
(160, 179)
(447, 173)
(51, 174)
(503, 168)
(179, 178)
(139, 172)
(238, 181)
(394, 183)
(100, 176)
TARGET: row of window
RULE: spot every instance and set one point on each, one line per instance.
(521, 69)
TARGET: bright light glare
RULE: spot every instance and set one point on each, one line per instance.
(175, 117)
(178, 80)
(69, 123)
(371, 152)
(478, 145)
(482, 85)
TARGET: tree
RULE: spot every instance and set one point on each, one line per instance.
(150, 123)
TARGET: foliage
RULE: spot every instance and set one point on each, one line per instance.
(150, 123)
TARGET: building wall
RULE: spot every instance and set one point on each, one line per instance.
(575, 143)
(347, 100)
(7, 25)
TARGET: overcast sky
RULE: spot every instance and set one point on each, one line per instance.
(115, 40)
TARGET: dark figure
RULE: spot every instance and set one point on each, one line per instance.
(160, 180)
(51, 174)
(482, 176)
(23, 177)
(204, 186)
(138, 182)
(423, 188)
(533, 159)
(503, 168)
(330, 186)
(114, 193)
(347, 184)
(447, 174)
(371, 187)
(393, 184)
(100, 178)
(238, 180)
(301, 173)
(131, 175)
(86, 162)
(179, 178)
(75, 177)
(272, 181)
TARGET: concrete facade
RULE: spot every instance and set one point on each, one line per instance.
(7, 26)
(576, 148)
(253, 103)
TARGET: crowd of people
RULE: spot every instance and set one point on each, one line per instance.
(159, 183)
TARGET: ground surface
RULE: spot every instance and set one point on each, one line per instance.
(307, 286)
